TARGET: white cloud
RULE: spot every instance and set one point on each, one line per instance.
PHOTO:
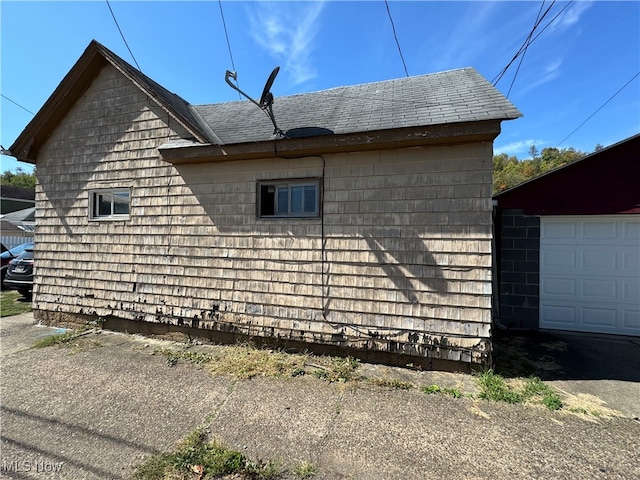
(572, 15)
(522, 146)
(465, 42)
(550, 72)
(286, 30)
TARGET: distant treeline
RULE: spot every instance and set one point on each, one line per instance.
(508, 171)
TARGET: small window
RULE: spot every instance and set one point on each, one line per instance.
(110, 204)
(294, 198)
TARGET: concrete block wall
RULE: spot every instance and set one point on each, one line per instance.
(400, 260)
(519, 257)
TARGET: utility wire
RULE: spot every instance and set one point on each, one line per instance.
(16, 103)
(530, 39)
(598, 109)
(122, 35)
(395, 36)
(513, 80)
(226, 34)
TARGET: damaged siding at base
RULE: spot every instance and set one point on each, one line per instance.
(406, 244)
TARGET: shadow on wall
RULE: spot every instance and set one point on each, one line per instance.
(399, 253)
(65, 183)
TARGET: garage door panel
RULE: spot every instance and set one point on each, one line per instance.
(630, 290)
(560, 230)
(604, 289)
(598, 318)
(599, 230)
(630, 261)
(590, 274)
(558, 259)
(631, 320)
(597, 260)
(562, 287)
(561, 316)
(631, 231)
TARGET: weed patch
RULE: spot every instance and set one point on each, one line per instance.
(340, 370)
(59, 338)
(247, 362)
(391, 383)
(432, 389)
(197, 457)
(305, 470)
(191, 356)
(495, 388)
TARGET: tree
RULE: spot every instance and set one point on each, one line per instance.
(19, 178)
(508, 171)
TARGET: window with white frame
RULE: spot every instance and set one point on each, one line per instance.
(289, 198)
(110, 204)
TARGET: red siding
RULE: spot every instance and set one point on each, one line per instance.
(606, 182)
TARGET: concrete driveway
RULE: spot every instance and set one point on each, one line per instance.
(96, 412)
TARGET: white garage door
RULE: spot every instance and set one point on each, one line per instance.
(590, 273)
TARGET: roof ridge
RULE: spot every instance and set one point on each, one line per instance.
(355, 86)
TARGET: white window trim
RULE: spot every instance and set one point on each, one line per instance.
(113, 216)
(297, 182)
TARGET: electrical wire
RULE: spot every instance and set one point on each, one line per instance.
(122, 35)
(16, 103)
(395, 36)
(599, 108)
(530, 39)
(324, 273)
(226, 34)
(513, 80)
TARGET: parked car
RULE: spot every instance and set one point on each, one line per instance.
(19, 274)
(9, 255)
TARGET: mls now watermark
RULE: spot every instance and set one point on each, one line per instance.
(30, 465)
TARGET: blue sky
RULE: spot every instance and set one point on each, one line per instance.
(589, 52)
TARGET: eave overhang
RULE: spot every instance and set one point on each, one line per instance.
(449, 134)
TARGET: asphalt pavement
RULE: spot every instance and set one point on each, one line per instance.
(98, 410)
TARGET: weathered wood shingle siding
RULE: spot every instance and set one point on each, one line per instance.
(407, 247)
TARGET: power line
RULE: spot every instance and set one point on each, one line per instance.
(16, 103)
(530, 39)
(395, 36)
(226, 34)
(515, 75)
(525, 45)
(598, 109)
(122, 35)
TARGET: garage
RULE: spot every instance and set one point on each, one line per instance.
(590, 274)
(567, 253)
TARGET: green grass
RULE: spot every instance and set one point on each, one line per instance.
(340, 370)
(495, 388)
(198, 457)
(431, 389)
(391, 383)
(305, 470)
(58, 339)
(12, 303)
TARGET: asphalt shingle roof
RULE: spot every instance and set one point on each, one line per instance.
(453, 96)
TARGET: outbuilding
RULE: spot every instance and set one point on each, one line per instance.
(356, 219)
(569, 246)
